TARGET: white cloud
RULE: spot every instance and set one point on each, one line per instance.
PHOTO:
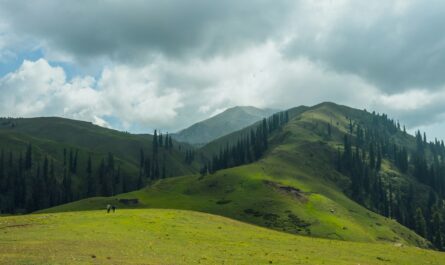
(37, 88)
(408, 101)
(134, 96)
(172, 94)
(418, 108)
(131, 95)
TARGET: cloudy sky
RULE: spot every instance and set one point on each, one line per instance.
(138, 65)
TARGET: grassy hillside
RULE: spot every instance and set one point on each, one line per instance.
(269, 193)
(294, 188)
(179, 237)
(229, 121)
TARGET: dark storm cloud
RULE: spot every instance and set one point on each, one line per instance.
(395, 45)
(127, 30)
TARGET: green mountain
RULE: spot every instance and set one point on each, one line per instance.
(163, 236)
(230, 120)
(59, 151)
(301, 185)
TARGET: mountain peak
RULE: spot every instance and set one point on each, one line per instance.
(228, 121)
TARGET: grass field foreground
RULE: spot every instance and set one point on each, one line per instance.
(154, 236)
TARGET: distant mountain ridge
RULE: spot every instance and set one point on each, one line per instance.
(228, 121)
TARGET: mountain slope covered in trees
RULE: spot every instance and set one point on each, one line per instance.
(49, 161)
(329, 171)
(230, 120)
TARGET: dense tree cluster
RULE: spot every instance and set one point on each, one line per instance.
(249, 147)
(152, 167)
(189, 156)
(365, 146)
(29, 182)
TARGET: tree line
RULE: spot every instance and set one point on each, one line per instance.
(361, 158)
(248, 148)
(29, 181)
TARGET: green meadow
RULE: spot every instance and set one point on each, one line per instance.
(159, 236)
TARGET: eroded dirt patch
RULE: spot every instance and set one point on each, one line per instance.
(289, 190)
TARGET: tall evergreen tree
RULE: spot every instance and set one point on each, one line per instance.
(28, 158)
(437, 230)
(378, 164)
(155, 144)
(420, 223)
(141, 158)
(74, 170)
(90, 183)
(2, 168)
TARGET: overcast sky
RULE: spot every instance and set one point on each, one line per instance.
(139, 65)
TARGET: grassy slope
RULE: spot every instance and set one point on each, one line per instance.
(179, 237)
(300, 157)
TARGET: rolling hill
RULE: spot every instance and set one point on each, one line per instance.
(68, 145)
(230, 120)
(154, 236)
(295, 187)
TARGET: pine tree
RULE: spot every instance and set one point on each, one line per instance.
(161, 140)
(74, 170)
(156, 170)
(437, 230)
(420, 224)
(372, 160)
(164, 173)
(141, 158)
(102, 177)
(53, 187)
(90, 183)
(378, 164)
(155, 143)
(2, 169)
(351, 126)
(28, 158)
(118, 183)
(265, 134)
(45, 198)
(109, 175)
(71, 160)
(147, 168)
(66, 187)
